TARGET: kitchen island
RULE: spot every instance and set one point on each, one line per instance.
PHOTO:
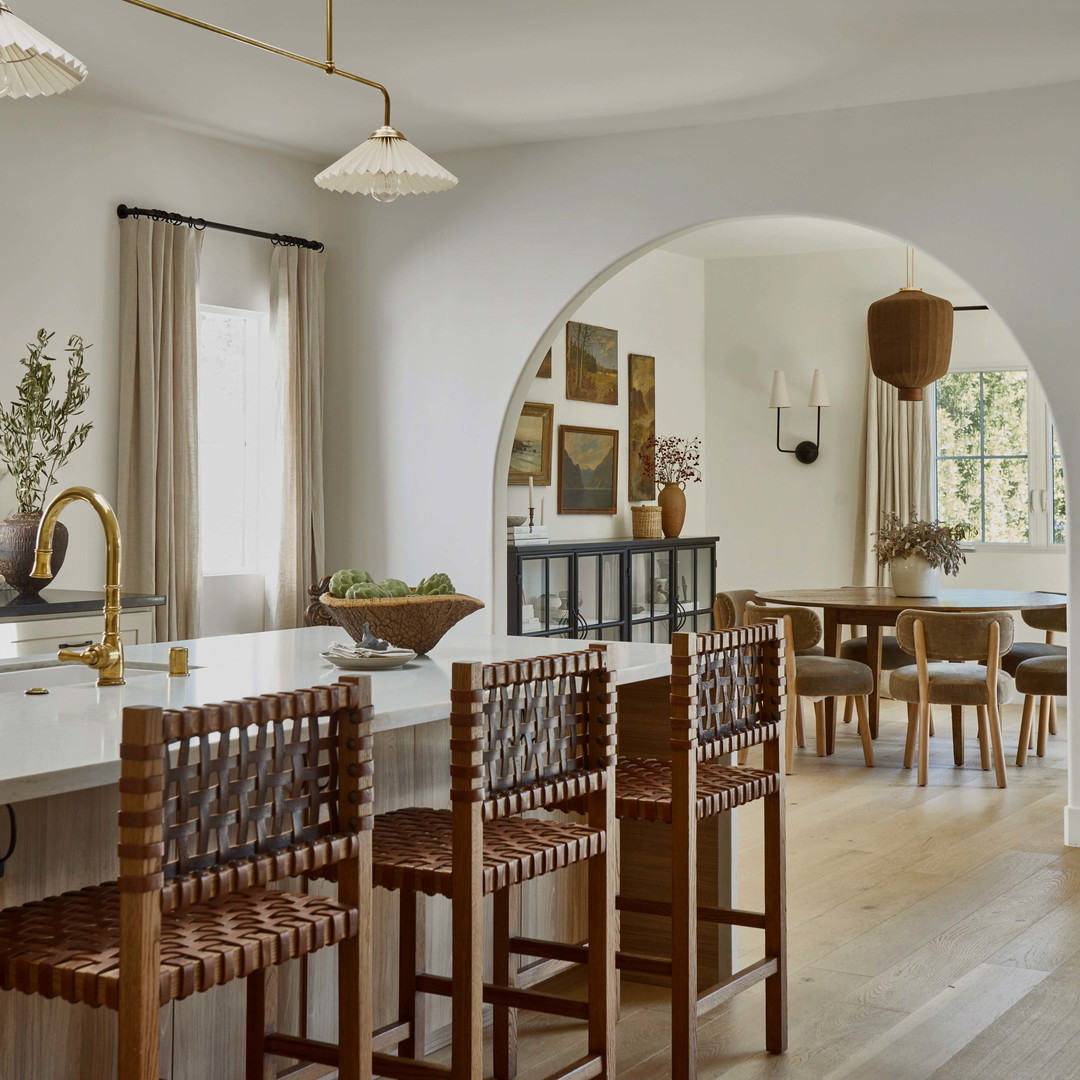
(59, 763)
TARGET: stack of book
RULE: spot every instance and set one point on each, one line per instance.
(523, 536)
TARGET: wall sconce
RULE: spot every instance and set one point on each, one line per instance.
(779, 398)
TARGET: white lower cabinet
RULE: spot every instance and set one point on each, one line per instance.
(46, 634)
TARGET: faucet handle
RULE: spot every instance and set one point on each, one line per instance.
(72, 655)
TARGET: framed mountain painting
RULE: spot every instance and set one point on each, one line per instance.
(588, 470)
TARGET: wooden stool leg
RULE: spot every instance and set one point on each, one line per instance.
(924, 742)
(684, 944)
(912, 729)
(984, 738)
(776, 1018)
(412, 944)
(504, 1024)
(849, 709)
(994, 715)
(262, 1020)
(822, 738)
(1044, 724)
(864, 732)
(1053, 716)
(800, 734)
(958, 734)
(139, 1015)
(603, 936)
(1023, 743)
(789, 738)
(744, 753)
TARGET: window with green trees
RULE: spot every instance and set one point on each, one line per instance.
(997, 459)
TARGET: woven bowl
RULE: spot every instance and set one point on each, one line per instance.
(407, 622)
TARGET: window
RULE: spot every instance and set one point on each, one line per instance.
(997, 458)
(235, 432)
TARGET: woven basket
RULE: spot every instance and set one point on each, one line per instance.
(646, 522)
(407, 622)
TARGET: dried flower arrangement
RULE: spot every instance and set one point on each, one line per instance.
(672, 460)
(937, 543)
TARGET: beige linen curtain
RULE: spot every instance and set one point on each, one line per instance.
(296, 320)
(158, 500)
(895, 470)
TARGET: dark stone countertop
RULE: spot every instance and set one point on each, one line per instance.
(52, 601)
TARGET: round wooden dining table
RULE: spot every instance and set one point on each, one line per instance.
(875, 608)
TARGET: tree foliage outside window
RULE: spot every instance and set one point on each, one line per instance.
(1058, 506)
(982, 456)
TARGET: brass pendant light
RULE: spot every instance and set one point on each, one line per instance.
(910, 336)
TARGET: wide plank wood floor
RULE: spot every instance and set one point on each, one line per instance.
(934, 932)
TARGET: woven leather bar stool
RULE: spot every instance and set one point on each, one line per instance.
(728, 690)
(525, 735)
(216, 803)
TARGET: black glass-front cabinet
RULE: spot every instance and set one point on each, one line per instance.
(612, 590)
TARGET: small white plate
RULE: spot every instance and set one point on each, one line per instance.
(393, 658)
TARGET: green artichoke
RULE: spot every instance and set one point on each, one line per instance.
(343, 579)
(436, 585)
(366, 590)
(395, 587)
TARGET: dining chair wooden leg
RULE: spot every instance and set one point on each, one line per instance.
(412, 931)
(262, 1019)
(849, 709)
(1044, 725)
(1053, 716)
(819, 716)
(1023, 744)
(994, 719)
(864, 731)
(932, 731)
(984, 738)
(830, 732)
(800, 734)
(924, 742)
(912, 726)
(958, 734)
(504, 1021)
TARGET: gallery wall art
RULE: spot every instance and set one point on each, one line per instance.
(592, 364)
(544, 371)
(531, 453)
(641, 396)
(588, 470)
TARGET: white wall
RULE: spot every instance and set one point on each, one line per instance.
(64, 167)
(796, 313)
(657, 306)
(456, 293)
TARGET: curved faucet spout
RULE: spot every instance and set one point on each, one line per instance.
(107, 657)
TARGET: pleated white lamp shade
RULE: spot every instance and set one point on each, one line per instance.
(30, 64)
(385, 166)
(819, 392)
(779, 398)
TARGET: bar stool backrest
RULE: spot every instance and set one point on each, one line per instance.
(728, 688)
(531, 733)
(955, 635)
(226, 797)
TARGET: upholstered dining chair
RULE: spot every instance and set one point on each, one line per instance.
(216, 803)
(820, 677)
(1045, 678)
(953, 639)
(1053, 620)
(728, 610)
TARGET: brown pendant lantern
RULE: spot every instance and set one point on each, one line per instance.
(910, 336)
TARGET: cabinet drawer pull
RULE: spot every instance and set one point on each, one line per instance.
(75, 644)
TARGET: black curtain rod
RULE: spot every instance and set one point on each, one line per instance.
(278, 239)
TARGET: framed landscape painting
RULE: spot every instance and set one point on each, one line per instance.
(588, 470)
(544, 371)
(592, 364)
(641, 372)
(531, 453)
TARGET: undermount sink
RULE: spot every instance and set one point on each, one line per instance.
(23, 677)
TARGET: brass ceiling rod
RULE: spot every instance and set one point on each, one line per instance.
(326, 65)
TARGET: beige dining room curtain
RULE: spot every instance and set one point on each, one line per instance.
(158, 502)
(296, 322)
(895, 470)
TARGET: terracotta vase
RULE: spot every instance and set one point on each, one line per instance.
(672, 500)
(18, 538)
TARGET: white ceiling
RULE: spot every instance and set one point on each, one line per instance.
(469, 73)
(748, 237)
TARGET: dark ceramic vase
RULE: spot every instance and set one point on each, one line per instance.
(18, 539)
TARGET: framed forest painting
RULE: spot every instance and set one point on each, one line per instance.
(641, 373)
(592, 364)
(544, 371)
(588, 470)
(531, 453)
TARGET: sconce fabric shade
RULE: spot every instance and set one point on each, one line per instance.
(385, 166)
(779, 398)
(30, 64)
(910, 336)
(819, 392)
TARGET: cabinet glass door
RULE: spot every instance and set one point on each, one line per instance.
(599, 594)
(545, 595)
(650, 595)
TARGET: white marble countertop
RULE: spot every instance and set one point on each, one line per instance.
(68, 740)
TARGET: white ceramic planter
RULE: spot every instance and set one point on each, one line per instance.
(914, 576)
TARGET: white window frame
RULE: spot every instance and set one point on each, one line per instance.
(1040, 465)
(255, 389)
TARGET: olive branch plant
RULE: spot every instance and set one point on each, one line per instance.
(37, 431)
